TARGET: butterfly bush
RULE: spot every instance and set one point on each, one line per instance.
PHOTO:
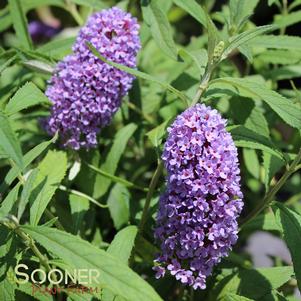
(197, 218)
(85, 91)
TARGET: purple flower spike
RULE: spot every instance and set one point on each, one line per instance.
(197, 218)
(87, 92)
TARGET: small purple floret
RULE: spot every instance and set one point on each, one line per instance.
(87, 92)
(197, 218)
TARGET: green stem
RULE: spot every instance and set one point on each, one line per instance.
(116, 179)
(204, 83)
(272, 192)
(57, 223)
(152, 187)
(284, 13)
(83, 195)
(13, 224)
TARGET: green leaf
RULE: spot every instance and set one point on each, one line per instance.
(245, 37)
(271, 165)
(39, 66)
(28, 158)
(7, 259)
(264, 222)
(123, 243)
(118, 202)
(9, 142)
(241, 10)
(290, 222)
(198, 57)
(244, 137)
(276, 42)
(57, 48)
(252, 162)
(280, 57)
(234, 297)
(20, 23)
(80, 254)
(256, 283)
(95, 4)
(285, 108)
(157, 134)
(79, 207)
(27, 188)
(111, 162)
(285, 72)
(26, 288)
(159, 26)
(121, 247)
(194, 9)
(139, 74)
(47, 181)
(27, 96)
(10, 200)
(288, 20)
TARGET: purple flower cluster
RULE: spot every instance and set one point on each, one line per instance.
(197, 218)
(85, 91)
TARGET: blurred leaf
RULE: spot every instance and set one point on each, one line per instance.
(240, 10)
(47, 181)
(28, 158)
(244, 137)
(245, 37)
(234, 297)
(213, 38)
(156, 135)
(271, 165)
(110, 164)
(79, 207)
(20, 23)
(257, 122)
(285, 108)
(280, 57)
(9, 142)
(27, 188)
(198, 57)
(290, 222)
(80, 254)
(159, 26)
(288, 20)
(271, 2)
(8, 203)
(95, 4)
(27, 96)
(263, 222)
(194, 9)
(285, 72)
(57, 48)
(146, 249)
(276, 42)
(139, 74)
(39, 66)
(252, 162)
(256, 283)
(119, 207)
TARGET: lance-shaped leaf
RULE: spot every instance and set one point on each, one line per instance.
(80, 254)
(52, 170)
